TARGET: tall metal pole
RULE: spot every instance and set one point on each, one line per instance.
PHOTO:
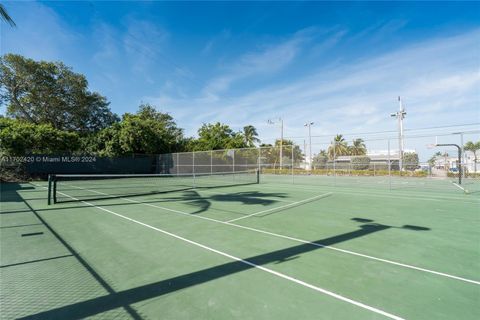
(280, 120)
(463, 151)
(310, 143)
(281, 143)
(400, 115)
(309, 125)
(305, 150)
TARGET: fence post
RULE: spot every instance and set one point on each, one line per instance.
(293, 161)
(259, 158)
(233, 160)
(193, 163)
(389, 167)
(334, 163)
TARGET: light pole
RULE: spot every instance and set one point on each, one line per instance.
(309, 125)
(400, 115)
(280, 121)
(463, 151)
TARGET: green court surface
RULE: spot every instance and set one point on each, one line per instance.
(273, 250)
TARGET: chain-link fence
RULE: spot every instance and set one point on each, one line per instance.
(383, 162)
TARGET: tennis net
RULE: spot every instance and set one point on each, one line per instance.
(82, 187)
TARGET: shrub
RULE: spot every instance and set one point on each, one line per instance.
(360, 162)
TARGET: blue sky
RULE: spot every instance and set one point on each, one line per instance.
(341, 65)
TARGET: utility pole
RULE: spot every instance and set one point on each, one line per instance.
(280, 121)
(400, 115)
(309, 125)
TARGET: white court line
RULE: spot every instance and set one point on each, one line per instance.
(283, 207)
(298, 240)
(460, 187)
(400, 196)
(276, 273)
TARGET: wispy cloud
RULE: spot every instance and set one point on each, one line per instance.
(267, 60)
(433, 77)
(40, 33)
(225, 35)
(143, 43)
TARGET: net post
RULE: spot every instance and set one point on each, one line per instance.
(49, 189)
(54, 191)
(257, 173)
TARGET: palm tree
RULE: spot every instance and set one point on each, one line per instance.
(6, 17)
(433, 159)
(250, 135)
(358, 148)
(474, 147)
(445, 164)
(338, 147)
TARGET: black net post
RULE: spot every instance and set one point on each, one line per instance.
(49, 189)
(54, 191)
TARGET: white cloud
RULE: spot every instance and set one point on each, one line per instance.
(270, 59)
(432, 77)
(40, 33)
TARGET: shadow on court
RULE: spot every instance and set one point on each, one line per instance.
(125, 298)
(190, 197)
(14, 196)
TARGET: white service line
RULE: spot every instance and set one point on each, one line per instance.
(276, 273)
(298, 240)
(459, 186)
(371, 193)
(320, 196)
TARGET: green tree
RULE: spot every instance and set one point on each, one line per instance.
(250, 135)
(18, 138)
(360, 162)
(433, 159)
(145, 132)
(319, 161)
(5, 16)
(358, 148)
(218, 136)
(473, 147)
(289, 149)
(270, 154)
(338, 147)
(410, 160)
(43, 92)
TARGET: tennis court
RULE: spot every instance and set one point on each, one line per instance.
(238, 249)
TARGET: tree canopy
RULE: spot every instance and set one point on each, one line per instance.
(217, 136)
(473, 147)
(20, 137)
(145, 132)
(42, 92)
